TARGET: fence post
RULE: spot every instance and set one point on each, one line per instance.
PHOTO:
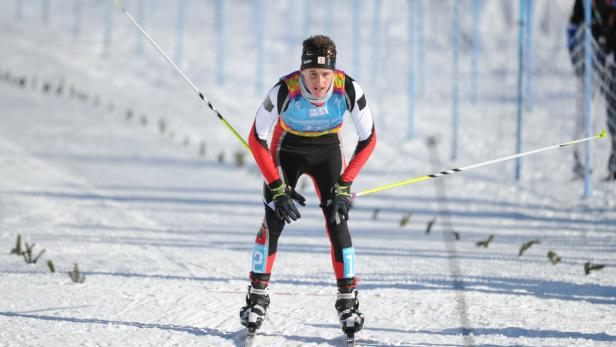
(410, 133)
(291, 16)
(260, 42)
(529, 54)
(220, 42)
(77, 17)
(376, 38)
(329, 20)
(45, 9)
(107, 27)
(421, 46)
(587, 92)
(357, 10)
(19, 9)
(141, 19)
(475, 49)
(455, 80)
(307, 17)
(521, 46)
(179, 31)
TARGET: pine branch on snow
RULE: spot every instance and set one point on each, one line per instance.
(589, 267)
(76, 276)
(430, 224)
(375, 214)
(28, 254)
(554, 258)
(485, 243)
(526, 246)
(240, 158)
(405, 220)
(51, 266)
(17, 250)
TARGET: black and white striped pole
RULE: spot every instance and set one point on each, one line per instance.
(196, 90)
(485, 163)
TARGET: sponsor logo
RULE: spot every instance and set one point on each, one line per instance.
(321, 60)
(307, 61)
(315, 112)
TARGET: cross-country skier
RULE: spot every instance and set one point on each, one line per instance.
(306, 110)
(603, 26)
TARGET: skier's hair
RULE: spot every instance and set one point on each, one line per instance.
(319, 44)
(319, 51)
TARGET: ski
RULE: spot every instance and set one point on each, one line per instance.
(249, 338)
(350, 340)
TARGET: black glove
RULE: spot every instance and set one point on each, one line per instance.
(342, 201)
(283, 199)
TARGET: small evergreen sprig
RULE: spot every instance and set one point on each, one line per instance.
(486, 242)
(554, 258)
(406, 219)
(51, 266)
(28, 254)
(589, 267)
(527, 245)
(430, 224)
(76, 276)
(17, 250)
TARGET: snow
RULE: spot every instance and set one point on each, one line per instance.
(164, 236)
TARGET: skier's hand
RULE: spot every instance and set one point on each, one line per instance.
(342, 202)
(283, 199)
(298, 198)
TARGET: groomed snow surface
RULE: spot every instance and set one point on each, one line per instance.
(164, 234)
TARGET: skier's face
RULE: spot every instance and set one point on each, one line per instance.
(318, 80)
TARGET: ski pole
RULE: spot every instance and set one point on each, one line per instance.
(485, 163)
(160, 50)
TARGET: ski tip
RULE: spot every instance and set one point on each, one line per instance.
(602, 134)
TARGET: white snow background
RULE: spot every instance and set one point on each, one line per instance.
(164, 233)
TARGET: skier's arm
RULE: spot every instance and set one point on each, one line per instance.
(362, 117)
(266, 117)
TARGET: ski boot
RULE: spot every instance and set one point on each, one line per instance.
(257, 301)
(347, 305)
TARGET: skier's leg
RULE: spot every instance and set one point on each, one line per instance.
(324, 176)
(264, 250)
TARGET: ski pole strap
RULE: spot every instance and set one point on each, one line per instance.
(600, 135)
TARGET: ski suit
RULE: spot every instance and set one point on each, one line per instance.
(305, 140)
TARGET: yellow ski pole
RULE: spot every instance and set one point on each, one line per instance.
(160, 50)
(489, 162)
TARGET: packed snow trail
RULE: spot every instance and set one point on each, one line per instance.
(148, 222)
(165, 236)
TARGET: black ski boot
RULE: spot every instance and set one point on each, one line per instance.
(347, 305)
(257, 301)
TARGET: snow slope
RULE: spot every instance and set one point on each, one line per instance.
(164, 235)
